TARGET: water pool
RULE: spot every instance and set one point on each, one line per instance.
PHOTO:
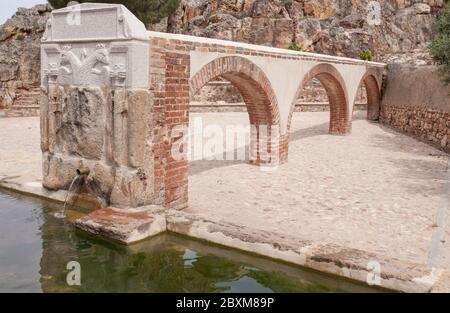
(35, 248)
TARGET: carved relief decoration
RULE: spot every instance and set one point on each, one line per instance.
(98, 65)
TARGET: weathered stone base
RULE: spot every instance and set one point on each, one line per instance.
(428, 125)
(126, 226)
(103, 130)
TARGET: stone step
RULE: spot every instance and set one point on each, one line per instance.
(25, 105)
(21, 103)
(29, 100)
(29, 91)
(23, 111)
(27, 95)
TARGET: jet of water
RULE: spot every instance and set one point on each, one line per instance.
(62, 214)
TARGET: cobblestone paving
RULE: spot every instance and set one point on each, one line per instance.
(375, 190)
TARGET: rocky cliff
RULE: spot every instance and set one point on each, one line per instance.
(394, 30)
(20, 59)
(337, 27)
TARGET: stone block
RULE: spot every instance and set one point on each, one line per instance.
(103, 177)
(44, 113)
(83, 122)
(126, 226)
(93, 21)
(53, 117)
(120, 127)
(95, 44)
(59, 172)
(132, 188)
(138, 115)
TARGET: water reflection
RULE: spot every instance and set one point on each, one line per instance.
(35, 248)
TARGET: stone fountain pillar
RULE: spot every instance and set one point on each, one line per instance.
(95, 104)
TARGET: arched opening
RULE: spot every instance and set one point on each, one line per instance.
(259, 99)
(360, 103)
(323, 89)
(367, 100)
(221, 141)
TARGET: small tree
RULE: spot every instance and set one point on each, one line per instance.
(295, 46)
(148, 11)
(440, 46)
(366, 55)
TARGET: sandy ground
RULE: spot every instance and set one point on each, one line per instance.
(375, 190)
(20, 152)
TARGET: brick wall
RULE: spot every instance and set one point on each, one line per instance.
(169, 83)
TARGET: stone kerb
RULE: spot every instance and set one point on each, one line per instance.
(95, 103)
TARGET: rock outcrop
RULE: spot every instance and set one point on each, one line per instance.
(342, 28)
(398, 32)
(20, 60)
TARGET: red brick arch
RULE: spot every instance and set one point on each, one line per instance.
(332, 81)
(373, 93)
(258, 96)
(251, 82)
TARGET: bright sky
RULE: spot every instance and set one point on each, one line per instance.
(9, 7)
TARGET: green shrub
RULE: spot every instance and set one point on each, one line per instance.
(148, 11)
(295, 46)
(366, 55)
(19, 36)
(440, 46)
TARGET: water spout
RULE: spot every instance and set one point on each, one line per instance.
(82, 171)
(62, 214)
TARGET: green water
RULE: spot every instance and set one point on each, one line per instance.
(35, 248)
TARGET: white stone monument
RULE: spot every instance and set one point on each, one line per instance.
(95, 108)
